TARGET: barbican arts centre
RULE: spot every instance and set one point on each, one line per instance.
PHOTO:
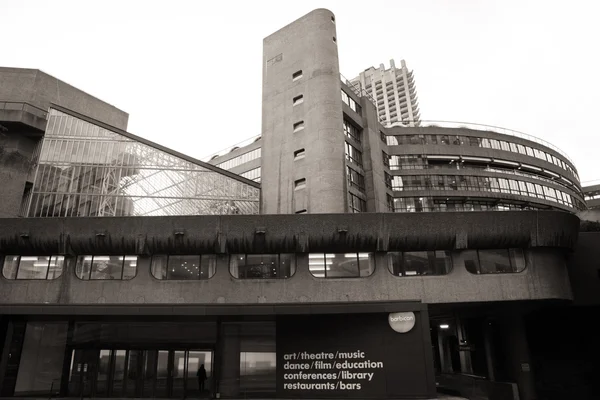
(355, 259)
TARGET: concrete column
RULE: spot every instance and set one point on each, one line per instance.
(519, 358)
(489, 356)
(229, 376)
(466, 366)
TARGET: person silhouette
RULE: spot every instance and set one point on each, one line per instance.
(201, 374)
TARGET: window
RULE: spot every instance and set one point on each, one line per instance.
(386, 159)
(300, 183)
(262, 266)
(33, 267)
(253, 174)
(296, 75)
(390, 202)
(351, 131)
(341, 265)
(106, 267)
(497, 261)
(353, 155)
(299, 154)
(356, 204)
(355, 178)
(303, 211)
(298, 100)
(333, 19)
(241, 159)
(183, 267)
(298, 126)
(354, 106)
(334, 40)
(415, 263)
(388, 180)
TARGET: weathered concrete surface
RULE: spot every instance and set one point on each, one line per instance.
(546, 235)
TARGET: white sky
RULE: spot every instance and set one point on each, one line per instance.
(189, 72)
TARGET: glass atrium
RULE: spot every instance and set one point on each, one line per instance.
(86, 170)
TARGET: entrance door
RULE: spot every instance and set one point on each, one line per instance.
(82, 379)
(139, 373)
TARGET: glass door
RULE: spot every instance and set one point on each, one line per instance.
(195, 386)
(82, 375)
(179, 367)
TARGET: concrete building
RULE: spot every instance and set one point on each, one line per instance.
(129, 268)
(393, 92)
(591, 192)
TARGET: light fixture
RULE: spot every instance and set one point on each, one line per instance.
(444, 326)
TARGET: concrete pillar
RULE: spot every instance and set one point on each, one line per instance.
(489, 355)
(229, 376)
(466, 366)
(519, 358)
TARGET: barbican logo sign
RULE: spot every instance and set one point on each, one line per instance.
(402, 322)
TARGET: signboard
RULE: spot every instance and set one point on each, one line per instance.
(352, 355)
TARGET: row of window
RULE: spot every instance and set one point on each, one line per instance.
(351, 131)
(480, 142)
(241, 159)
(355, 179)
(253, 174)
(265, 266)
(480, 184)
(356, 204)
(442, 204)
(354, 106)
(353, 154)
(415, 161)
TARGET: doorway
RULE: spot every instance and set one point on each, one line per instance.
(162, 373)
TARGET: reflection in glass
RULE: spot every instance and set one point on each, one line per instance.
(102, 377)
(177, 267)
(119, 373)
(257, 371)
(494, 261)
(262, 266)
(178, 374)
(32, 267)
(341, 265)
(162, 374)
(413, 263)
(87, 170)
(132, 372)
(41, 361)
(106, 267)
(195, 359)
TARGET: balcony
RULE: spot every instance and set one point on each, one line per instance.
(22, 117)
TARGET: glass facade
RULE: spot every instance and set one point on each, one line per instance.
(262, 266)
(32, 267)
(341, 265)
(241, 159)
(495, 261)
(183, 268)
(415, 263)
(483, 143)
(85, 170)
(106, 267)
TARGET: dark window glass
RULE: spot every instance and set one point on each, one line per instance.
(356, 204)
(414, 263)
(341, 265)
(351, 131)
(106, 267)
(494, 261)
(353, 154)
(262, 266)
(183, 267)
(355, 178)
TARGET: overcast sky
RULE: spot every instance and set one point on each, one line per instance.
(189, 72)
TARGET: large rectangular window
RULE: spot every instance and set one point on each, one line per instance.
(355, 178)
(414, 263)
(183, 267)
(106, 267)
(41, 362)
(32, 267)
(356, 204)
(494, 261)
(341, 265)
(262, 266)
(353, 154)
(354, 106)
(351, 131)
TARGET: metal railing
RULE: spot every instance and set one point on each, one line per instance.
(226, 150)
(490, 128)
(23, 106)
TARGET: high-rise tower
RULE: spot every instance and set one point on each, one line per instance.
(394, 93)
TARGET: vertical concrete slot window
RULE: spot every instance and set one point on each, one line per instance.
(333, 19)
(299, 154)
(334, 40)
(298, 126)
(300, 184)
(296, 75)
(298, 100)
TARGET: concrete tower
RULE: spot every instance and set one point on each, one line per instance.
(303, 141)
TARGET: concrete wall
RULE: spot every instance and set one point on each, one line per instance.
(584, 269)
(307, 44)
(546, 235)
(40, 89)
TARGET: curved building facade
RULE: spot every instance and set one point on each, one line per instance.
(436, 168)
